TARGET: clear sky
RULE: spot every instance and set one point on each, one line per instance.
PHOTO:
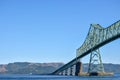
(52, 30)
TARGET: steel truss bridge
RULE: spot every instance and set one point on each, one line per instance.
(96, 38)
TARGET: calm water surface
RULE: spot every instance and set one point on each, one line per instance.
(52, 77)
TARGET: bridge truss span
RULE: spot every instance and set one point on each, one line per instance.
(96, 38)
(97, 35)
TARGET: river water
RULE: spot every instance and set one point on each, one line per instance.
(54, 77)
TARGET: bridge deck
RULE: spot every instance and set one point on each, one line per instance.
(73, 62)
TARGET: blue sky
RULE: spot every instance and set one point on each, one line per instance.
(52, 30)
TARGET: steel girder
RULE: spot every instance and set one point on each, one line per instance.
(95, 64)
(97, 35)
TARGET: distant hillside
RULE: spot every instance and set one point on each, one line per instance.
(29, 68)
(108, 67)
(45, 68)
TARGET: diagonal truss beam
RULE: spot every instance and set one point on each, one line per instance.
(96, 33)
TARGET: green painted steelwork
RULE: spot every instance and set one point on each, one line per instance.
(97, 35)
(95, 64)
(96, 38)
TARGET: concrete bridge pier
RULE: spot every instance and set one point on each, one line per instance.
(62, 73)
(71, 71)
(78, 69)
(66, 72)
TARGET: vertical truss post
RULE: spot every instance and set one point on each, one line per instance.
(95, 64)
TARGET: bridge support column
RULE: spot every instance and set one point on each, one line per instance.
(71, 70)
(95, 64)
(66, 72)
(78, 69)
(62, 73)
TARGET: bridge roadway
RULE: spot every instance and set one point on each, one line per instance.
(73, 62)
